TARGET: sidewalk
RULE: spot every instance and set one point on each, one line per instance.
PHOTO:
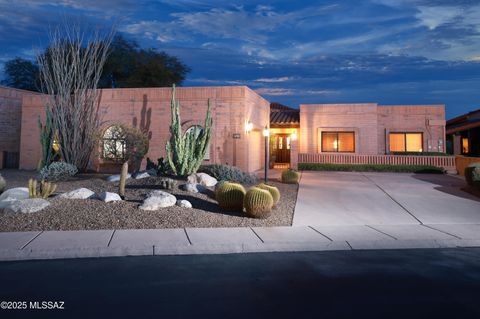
(107, 243)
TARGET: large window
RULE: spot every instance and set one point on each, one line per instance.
(114, 144)
(464, 145)
(198, 130)
(406, 142)
(338, 142)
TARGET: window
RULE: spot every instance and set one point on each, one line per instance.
(338, 142)
(114, 144)
(199, 130)
(406, 142)
(464, 145)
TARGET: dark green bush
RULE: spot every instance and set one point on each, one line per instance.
(472, 175)
(421, 153)
(370, 168)
(228, 173)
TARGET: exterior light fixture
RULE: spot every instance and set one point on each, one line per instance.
(294, 135)
(248, 127)
(335, 144)
(266, 133)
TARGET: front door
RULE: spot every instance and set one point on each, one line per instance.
(282, 148)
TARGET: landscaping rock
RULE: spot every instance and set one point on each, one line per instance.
(116, 178)
(152, 172)
(184, 203)
(194, 188)
(158, 199)
(141, 175)
(79, 193)
(108, 197)
(202, 179)
(13, 194)
(3, 184)
(25, 206)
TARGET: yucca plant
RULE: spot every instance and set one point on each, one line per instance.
(185, 151)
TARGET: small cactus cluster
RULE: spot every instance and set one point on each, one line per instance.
(230, 196)
(258, 202)
(123, 180)
(472, 175)
(272, 190)
(3, 184)
(167, 183)
(290, 176)
(46, 189)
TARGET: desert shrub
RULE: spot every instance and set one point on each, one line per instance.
(161, 167)
(258, 203)
(272, 190)
(472, 175)
(370, 168)
(3, 184)
(228, 173)
(230, 196)
(290, 176)
(58, 171)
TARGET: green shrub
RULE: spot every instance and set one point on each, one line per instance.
(370, 168)
(290, 176)
(3, 184)
(228, 173)
(258, 203)
(161, 167)
(58, 171)
(272, 190)
(472, 175)
(230, 196)
(421, 153)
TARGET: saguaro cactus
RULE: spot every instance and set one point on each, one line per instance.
(185, 151)
(123, 179)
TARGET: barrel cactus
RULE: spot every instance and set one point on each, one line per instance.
(290, 176)
(3, 184)
(230, 196)
(258, 203)
(472, 175)
(218, 186)
(272, 190)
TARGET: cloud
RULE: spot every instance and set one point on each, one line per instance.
(275, 91)
(275, 80)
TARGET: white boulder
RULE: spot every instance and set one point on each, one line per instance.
(202, 179)
(13, 194)
(25, 206)
(141, 175)
(193, 188)
(158, 199)
(184, 203)
(79, 193)
(116, 178)
(108, 197)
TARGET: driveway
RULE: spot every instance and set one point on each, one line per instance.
(351, 198)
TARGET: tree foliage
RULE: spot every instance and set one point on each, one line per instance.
(21, 74)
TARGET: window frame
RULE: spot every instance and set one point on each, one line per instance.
(405, 142)
(462, 144)
(337, 132)
(107, 140)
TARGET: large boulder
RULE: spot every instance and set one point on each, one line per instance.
(79, 193)
(193, 188)
(108, 197)
(184, 203)
(25, 206)
(3, 184)
(202, 179)
(158, 199)
(116, 178)
(13, 194)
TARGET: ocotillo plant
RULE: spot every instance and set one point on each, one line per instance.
(123, 179)
(185, 151)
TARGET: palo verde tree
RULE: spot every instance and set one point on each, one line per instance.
(185, 151)
(70, 70)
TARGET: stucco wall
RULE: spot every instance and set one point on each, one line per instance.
(150, 108)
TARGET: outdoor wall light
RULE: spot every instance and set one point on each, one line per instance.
(335, 144)
(248, 127)
(266, 132)
(294, 135)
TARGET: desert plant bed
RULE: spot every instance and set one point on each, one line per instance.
(79, 214)
(370, 168)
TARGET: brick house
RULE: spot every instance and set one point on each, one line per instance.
(239, 117)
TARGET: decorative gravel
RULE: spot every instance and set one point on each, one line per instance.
(77, 214)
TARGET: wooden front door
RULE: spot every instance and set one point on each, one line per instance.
(282, 148)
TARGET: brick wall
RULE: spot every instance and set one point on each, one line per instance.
(150, 107)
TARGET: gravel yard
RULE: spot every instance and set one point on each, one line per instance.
(77, 214)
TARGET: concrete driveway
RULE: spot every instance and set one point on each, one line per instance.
(351, 198)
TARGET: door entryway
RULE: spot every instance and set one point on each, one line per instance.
(280, 150)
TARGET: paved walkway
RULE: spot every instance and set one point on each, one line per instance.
(350, 198)
(103, 243)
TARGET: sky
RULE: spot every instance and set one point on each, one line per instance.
(292, 52)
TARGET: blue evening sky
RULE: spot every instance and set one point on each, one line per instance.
(293, 52)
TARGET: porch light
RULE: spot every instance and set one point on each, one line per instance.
(294, 135)
(266, 132)
(335, 144)
(248, 127)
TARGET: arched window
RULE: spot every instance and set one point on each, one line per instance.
(114, 144)
(198, 129)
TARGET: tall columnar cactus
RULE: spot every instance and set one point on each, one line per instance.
(123, 179)
(290, 176)
(185, 151)
(46, 139)
(272, 190)
(258, 203)
(46, 189)
(230, 196)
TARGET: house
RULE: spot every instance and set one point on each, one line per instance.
(463, 134)
(240, 116)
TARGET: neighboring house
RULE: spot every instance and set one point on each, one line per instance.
(463, 134)
(239, 118)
